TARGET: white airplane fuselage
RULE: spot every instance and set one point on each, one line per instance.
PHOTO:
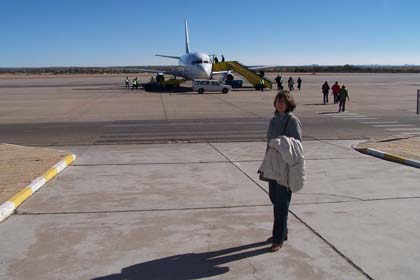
(196, 65)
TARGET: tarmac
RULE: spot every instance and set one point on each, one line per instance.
(88, 110)
(190, 205)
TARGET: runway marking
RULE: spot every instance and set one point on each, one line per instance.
(381, 122)
(410, 133)
(403, 129)
(360, 118)
(182, 123)
(347, 116)
(393, 125)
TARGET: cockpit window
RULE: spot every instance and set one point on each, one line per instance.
(198, 61)
(206, 61)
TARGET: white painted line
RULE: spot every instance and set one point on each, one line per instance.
(382, 122)
(393, 125)
(394, 158)
(361, 118)
(345, 116)
(344, 113)
(410, 133)
(403, 129)
(8, 207)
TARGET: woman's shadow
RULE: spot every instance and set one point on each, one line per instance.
(188, 266)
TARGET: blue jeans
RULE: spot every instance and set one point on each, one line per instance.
(280, 196)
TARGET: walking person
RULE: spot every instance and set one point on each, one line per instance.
(325, 91)
(127, 82)
(299, 83)
(284, 123)
(344, 96)
(336, 92)
(291, 83)
(279, 81)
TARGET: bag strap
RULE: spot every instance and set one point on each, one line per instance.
(285, 126)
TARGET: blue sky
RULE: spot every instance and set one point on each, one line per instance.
(281, 32)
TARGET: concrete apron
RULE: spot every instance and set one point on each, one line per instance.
(192, 211)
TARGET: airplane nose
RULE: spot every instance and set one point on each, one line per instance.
(205, 71)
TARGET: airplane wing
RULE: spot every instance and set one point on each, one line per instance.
(168, 72)
(168, 56)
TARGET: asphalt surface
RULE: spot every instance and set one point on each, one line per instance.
(190, 130)
(78, 110)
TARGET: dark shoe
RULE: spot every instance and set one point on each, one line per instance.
(271, 239)
(276, 246)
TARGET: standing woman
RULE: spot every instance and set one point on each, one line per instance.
(284, 123)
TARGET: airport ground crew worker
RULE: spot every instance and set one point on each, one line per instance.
(299, 82)
(216, 60)
(223, 58)
(336, 92)
(127, 82)
(279, 81)
(134, 85)
(152, 79)
(325, 91)
(261, 84)
(344, 96)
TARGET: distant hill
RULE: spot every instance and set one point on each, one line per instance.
(297, 69)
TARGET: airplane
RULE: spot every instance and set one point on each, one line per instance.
(193, 65)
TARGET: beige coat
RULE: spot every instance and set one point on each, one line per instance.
(284, 162)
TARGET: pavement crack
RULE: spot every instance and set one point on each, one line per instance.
(332, 194)
(23, 213)
(334, 248)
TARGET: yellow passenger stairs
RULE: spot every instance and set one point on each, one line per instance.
(242, 70)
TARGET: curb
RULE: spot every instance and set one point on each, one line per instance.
(390, 157)
(8, 207)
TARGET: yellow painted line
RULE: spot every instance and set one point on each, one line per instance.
(68, 159)
(21, 196)
(395, 158)
(49, 174)
(12, 203)
(390, 157)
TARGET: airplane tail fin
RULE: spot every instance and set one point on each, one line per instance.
(187, 39)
